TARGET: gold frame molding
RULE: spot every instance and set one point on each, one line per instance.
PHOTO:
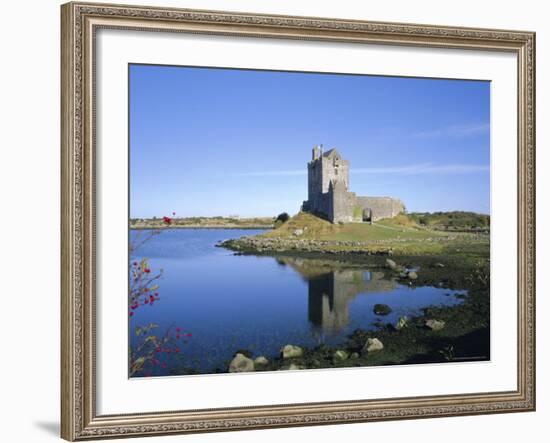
(79, 22)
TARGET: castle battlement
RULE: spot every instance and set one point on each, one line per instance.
(329, 195)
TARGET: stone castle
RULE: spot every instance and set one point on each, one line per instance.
(329, 195)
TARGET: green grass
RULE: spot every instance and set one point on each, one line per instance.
(316, 228)
(398, 236)
(379, 231)
(453, 220)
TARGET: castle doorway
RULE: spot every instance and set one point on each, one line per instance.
(367, 215)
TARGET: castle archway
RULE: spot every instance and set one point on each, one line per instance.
(367, 215)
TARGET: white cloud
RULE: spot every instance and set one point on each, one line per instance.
(424, 168)
(454, 131)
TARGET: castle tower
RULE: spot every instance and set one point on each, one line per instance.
(324, 168)
(335, 169)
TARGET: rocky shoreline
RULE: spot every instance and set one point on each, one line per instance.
(390, 344)
(259, 245)
(439, 334)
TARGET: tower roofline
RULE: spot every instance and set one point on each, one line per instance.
(332, 153)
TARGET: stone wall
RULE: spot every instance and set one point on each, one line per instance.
(341, 204)
(381, 207)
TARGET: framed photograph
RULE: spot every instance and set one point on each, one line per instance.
(283, 221)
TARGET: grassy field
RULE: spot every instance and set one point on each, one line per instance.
(451, 221)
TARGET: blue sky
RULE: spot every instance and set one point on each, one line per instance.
(210, 142)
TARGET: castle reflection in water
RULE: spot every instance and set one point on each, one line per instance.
(332, 289)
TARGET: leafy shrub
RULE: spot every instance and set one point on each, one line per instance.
(283, 217)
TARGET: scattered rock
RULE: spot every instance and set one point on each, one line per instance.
(315, 363)
(241, 363)
(403, 322)
(435, 325)
(340, 355)
(291, 367)
(439, 265)
(381, 309)
(411, 275)
(354, 355)
(372, 345)
(291, 351)
(260, 361)
(298, 232)
(244, 352)
(391, 264)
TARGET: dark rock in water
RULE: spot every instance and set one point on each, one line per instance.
(381, 309)
(460, 296)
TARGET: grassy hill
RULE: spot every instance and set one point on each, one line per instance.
(312, 227)
(400, 235)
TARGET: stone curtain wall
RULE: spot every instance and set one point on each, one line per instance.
(381, 207)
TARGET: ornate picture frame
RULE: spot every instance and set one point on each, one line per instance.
(80, 22)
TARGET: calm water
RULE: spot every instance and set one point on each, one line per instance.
(231, 302)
